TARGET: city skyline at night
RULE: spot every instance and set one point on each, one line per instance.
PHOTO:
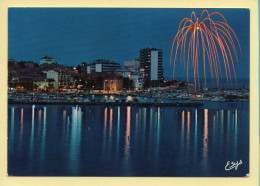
(72, 35)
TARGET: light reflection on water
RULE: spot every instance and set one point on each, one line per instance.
(32, 136)
(110, 128)
(21, 130)
(75, 140)
(118, 130)
(127, 134)
(195, 135)
(125, 141)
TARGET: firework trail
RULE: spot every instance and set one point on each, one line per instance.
(213, 39)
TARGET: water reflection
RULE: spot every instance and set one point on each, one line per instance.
(126, 139)
(44, 126)
(205, 143)
(68, 125)
(236, 130)
(228, 124)
(188, 133)
(75, 140)
(214, 128)
(127, 134)
(182, 131)
(158, 133)
(144, 126)
(196, 135)
(21, 129)
(151, 137)
(136, 124)
(32, 135)
(110, 129)
(64, 124)
(43, 152)
(39, 122)
(221, 127)
(105, 129)
(12, 129)
(64, 116)
(118, 130)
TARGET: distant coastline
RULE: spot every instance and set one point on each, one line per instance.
(239, 83)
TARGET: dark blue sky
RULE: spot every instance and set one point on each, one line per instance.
(74, 35)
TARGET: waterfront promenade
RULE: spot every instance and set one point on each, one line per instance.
(162, 97)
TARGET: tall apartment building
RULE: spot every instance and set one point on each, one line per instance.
(151, 63)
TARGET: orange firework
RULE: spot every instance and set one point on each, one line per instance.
(202, 33)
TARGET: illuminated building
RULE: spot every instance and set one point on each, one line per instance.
(113, 85)
(151, 63)
(103, 65)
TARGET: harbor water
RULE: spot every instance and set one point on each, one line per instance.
(89, 140)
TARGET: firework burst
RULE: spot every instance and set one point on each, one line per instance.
(201, 39)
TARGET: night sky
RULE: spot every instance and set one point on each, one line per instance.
(74, 35)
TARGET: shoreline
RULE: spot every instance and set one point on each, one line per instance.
(177, 104)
